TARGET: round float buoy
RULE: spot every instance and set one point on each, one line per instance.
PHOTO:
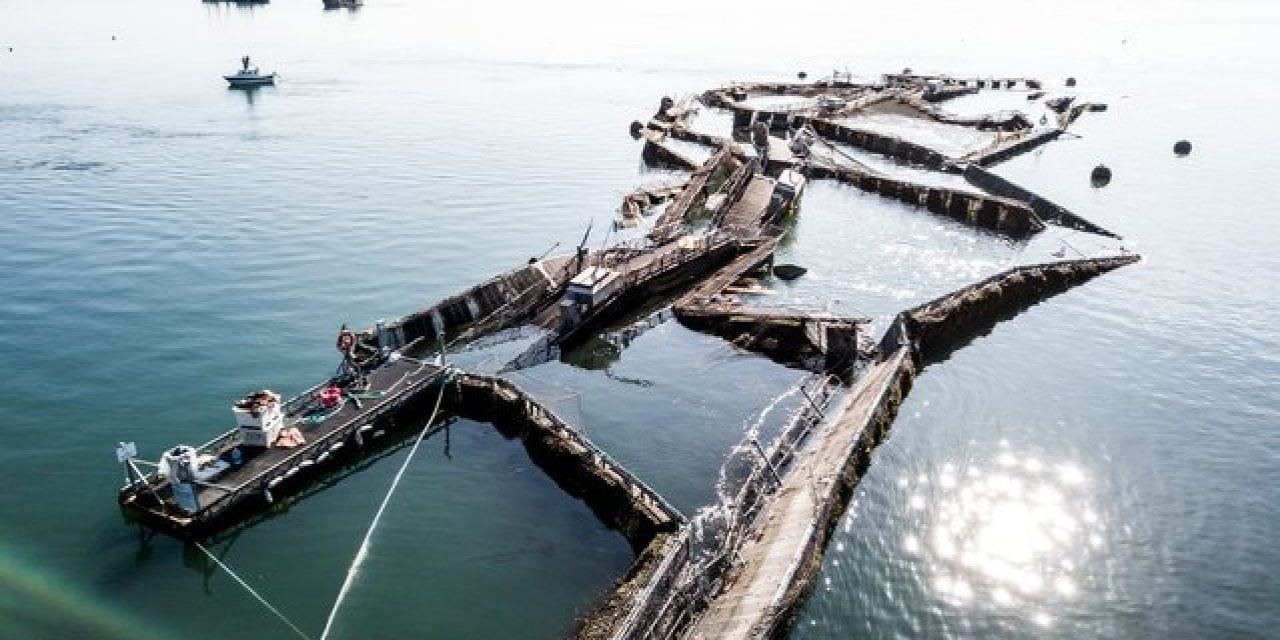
(1182, 148)
(1100, 176)
(802, 75)
(789, 271)
(636, 128)
(1071, 82)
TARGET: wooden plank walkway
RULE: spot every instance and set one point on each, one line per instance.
(715, 285)
(670, 224)
(786, 529)
(779, 153)
(745, 215)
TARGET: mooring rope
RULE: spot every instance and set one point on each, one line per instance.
(368, 536)
(253, 593)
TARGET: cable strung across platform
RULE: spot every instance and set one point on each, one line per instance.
(368, 536)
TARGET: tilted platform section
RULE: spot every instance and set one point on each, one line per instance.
(760, 574)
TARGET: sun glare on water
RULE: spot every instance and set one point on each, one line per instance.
(1015, 532)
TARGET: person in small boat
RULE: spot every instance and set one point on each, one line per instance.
(245, 62)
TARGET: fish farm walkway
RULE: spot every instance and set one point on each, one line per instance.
(787, 528)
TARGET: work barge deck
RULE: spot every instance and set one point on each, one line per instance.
(741, 569)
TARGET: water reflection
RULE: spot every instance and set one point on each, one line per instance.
(350, 5)
(249, 93)
(1014, 532)
(243, 5)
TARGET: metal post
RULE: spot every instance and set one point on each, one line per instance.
(777, 478)
(440, 341)
(811, 401)
(143, 478)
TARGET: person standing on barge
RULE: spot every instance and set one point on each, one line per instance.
(347, 345)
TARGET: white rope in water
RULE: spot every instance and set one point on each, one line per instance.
(368, 536)
(252, 592)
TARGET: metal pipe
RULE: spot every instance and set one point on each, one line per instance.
(811, 402)
(768, 465)
(143, 478)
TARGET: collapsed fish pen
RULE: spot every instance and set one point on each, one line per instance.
(748, 580)
(731, 589)
(997, 214)
(1046, 210)
(772, 579)
(934, 326)
(617, 497)
(698, 557)
(670, 224)
(740, 568)
(917, 335)
(1005, 207)
(820, 342)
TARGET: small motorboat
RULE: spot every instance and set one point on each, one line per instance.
(249, 76)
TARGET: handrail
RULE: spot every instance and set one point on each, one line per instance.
(646, 614)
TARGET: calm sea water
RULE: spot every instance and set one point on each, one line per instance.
(1105, 464)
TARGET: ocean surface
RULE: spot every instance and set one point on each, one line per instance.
(1104, 464)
